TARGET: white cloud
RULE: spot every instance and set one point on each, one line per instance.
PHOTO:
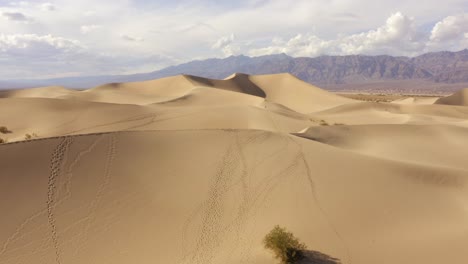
(45, 56)
(300, 45)
(450, 28)
(226, 45)
(34, 46)
(47, 7)
(451, 33)
(398, 36)
(85, 29)
(223, 41)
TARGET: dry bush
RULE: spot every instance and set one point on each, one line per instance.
(284, 245)
(2, 141)
(4, 130)
(323, 123)
(30, 136)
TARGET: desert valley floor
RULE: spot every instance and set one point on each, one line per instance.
(189, 170)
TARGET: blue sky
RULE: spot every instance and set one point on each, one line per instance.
(56, 38)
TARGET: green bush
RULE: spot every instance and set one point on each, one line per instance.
(284, 245)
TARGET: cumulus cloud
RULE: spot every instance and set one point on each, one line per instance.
(398, 36)
(226, 45)
(37, 56)
(450, 28)
(450, 33)
(300, 45)
(34, 46)
(45, 56)
(223, 41)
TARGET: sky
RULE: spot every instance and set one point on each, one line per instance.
(61, 38)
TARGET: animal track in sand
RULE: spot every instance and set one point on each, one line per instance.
(110, 157)
(55, 170)
(233, 172)
(314, 196)
(59, 199)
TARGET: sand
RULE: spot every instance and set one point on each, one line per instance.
(459, 98)
(192, 170)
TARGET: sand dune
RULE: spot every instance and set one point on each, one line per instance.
(389, 113)
(287, 90)
(193, 170)
(41, 92)
(416, 100)
(403, 143)
(459, 98)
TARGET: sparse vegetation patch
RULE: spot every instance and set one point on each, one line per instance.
(323, 123)
(284, 245)
(4, 130)
(30, 136)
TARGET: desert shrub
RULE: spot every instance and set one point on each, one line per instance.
(323, 123)
(2, 141)
(339, 124)
(284, 245)
(30, 136)
(4, 130)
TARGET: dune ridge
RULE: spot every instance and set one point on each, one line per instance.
(186, 169)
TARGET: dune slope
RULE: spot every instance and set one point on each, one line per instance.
(458, 98)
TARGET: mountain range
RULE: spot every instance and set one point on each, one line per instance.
(435, 72)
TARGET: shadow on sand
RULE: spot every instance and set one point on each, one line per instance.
(315, 257)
